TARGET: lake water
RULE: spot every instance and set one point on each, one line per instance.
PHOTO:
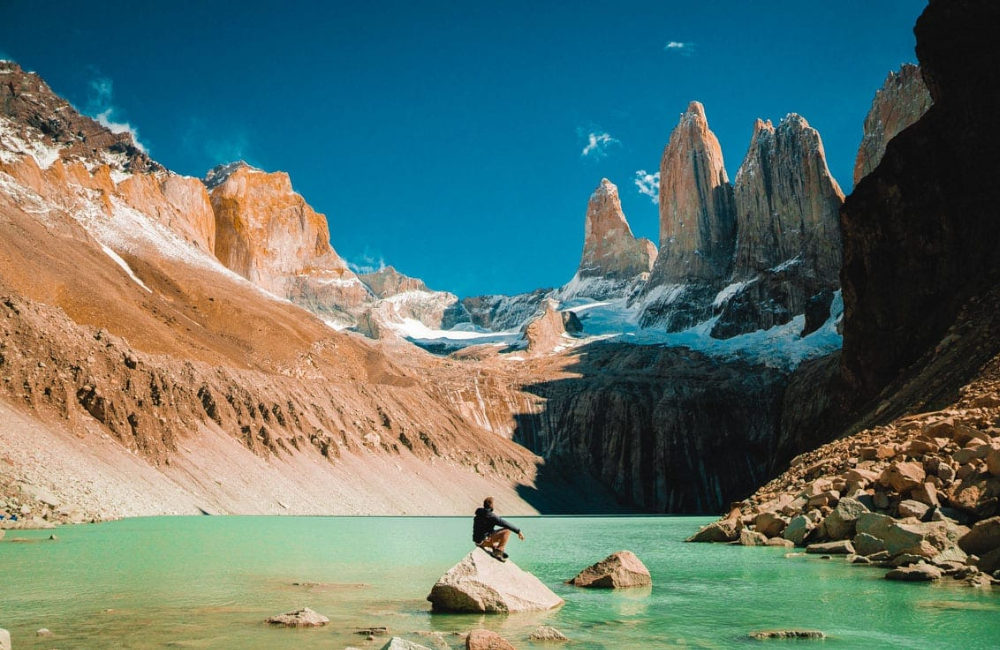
(209, 582)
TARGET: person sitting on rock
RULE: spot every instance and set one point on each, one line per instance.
(484, 532)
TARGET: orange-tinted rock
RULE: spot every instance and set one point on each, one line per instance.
(388, 282)
(901, 101)
(617, 571)
(610, 250)
(697, 217)
(268, 234)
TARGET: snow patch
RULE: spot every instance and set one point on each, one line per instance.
(13, 146)
(730, 291)
(125, 267)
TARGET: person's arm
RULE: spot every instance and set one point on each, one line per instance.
(503, 523)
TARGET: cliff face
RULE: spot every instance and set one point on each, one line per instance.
(787, 203)
(268, 234)
(920, 232)
(697, 218)
(901, 101)
(388, 282)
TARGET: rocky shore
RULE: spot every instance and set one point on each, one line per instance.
(919, 496)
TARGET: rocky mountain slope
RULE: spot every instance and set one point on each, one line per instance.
(120, 327)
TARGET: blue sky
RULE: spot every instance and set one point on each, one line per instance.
(460, 141)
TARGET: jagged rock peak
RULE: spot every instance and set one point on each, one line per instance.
(221, 173)
(900, 102)
(53, 129)
(609, 247)
(387, 281)
(697, 218)
(787, 203)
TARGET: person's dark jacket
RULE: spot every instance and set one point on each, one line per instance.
(484, 523)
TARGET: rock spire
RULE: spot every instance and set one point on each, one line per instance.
(900, 102)
(697, 217)
(787, 203)
(610, 250)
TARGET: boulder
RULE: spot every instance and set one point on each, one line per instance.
(990, 562)
(770, 524)
(874, 524)
(44, 633)
(399, 643)
(926, 494)
(724, 530)
(546, 633)
(993, 462)
(619, 570)
(486, 640)
(779, 541)
(843, 547)
(903, 477)
(4, 639)
(925, 539)
(865, 544)
(752, 538)
(983, 538)
(787, 634)
(797, 529)
(912, 508)
(480, 583)
(841, 522)
(949, 556)
(915, 573)
(304, 617)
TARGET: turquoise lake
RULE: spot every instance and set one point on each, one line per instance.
(209, 582)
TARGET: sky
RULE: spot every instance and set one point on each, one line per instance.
(460, 141)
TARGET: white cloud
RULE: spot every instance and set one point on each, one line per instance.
(100, 106)
(369, 262)
(597, 144)
(648, 184)
(684, 49)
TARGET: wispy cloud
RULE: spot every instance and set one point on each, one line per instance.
(368, 261)
(679, 47)
(100, 106)
(217, 144)
(596, 142)
(648, 184)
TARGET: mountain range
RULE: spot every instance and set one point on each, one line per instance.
(173, 344)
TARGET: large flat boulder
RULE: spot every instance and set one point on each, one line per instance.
(724, 530)
(617, 571)
(480, 583)
(304, 617)
(983, 538)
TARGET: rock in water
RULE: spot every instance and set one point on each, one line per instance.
(4, 639)
(787, 634)
(486, 640)
(618, 570)
(398, 643)
(900, 102)
(915, 573)
(546, 633)
(479, 583)
(304, 617)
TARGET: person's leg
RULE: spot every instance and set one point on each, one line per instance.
(498, 539)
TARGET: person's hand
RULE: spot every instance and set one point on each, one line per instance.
(520, 536)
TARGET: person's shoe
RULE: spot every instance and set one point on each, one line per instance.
(505, 556)
(499, 555)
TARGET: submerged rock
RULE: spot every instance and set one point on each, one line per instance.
(787, 634)
(546, 633)
(399, 643)
(304, 617)
(915, 573)
(480, 583)
(486, 640)
(617, 571)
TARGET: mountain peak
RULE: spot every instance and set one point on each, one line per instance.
(221, 173)
(610, 249)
